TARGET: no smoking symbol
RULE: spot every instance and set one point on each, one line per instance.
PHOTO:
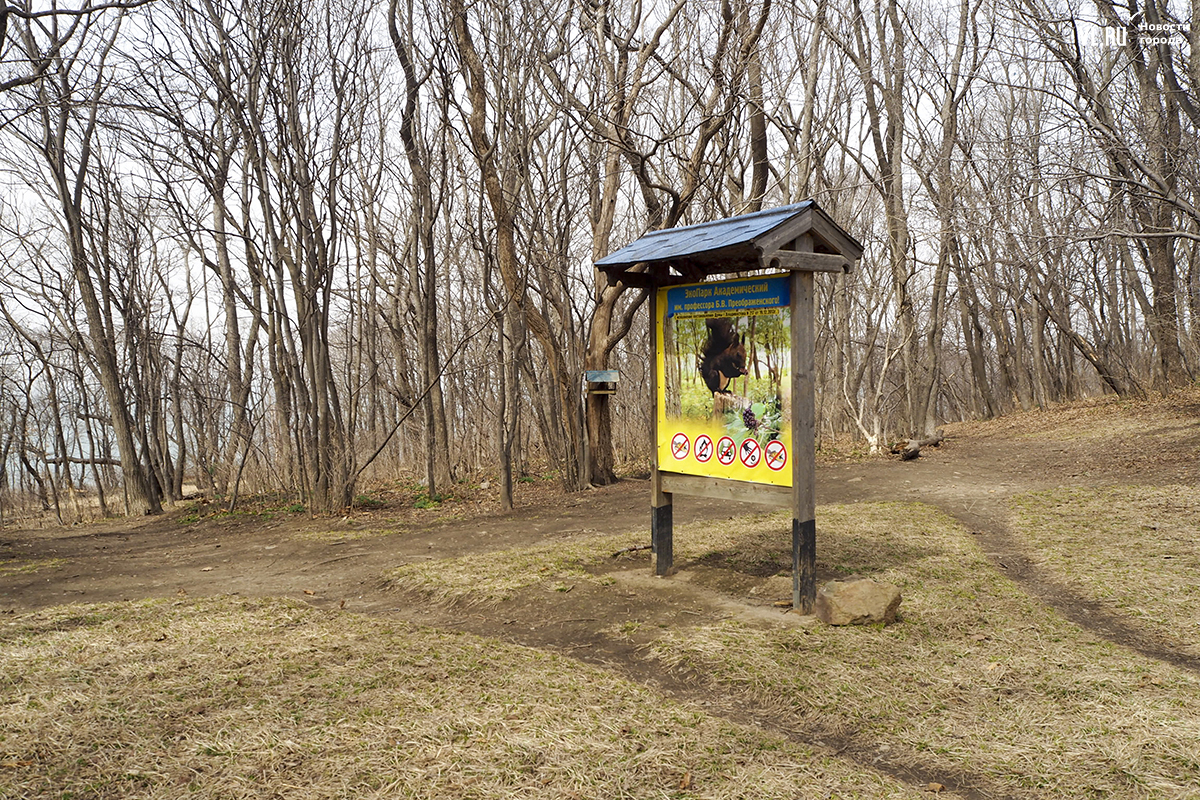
(751, 453)
(776, 455)
(704, 448)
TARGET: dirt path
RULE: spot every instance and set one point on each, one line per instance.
(340, 563)
(971, 477)
(973, 481)
(290, 555)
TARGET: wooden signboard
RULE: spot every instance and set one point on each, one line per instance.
(733, 383)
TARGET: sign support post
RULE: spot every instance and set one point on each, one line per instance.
(661, 507)
(803, 411)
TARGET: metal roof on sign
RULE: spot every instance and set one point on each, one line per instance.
(673, 243)
(733, 244)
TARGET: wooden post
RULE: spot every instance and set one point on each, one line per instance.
(804, 526)
(661, 523)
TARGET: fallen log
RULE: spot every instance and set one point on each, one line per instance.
(912, 449)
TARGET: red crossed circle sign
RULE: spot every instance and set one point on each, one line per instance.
(680, 446)
(726, 450)
(776, 454)
(704, 448)
(751, 452)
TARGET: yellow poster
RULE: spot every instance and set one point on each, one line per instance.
(724, 379)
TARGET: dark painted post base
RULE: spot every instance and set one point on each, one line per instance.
(662, 538)
(804, 565)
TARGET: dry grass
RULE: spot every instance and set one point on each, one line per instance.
(30, 566)
(227, 698)
(977, 677)
(1133, 548)
(486, 578)
(231, 699)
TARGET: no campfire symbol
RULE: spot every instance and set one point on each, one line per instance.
(704, 448)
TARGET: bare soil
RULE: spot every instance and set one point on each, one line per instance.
(343, 562)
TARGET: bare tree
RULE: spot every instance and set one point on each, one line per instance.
(880, 54)
(424, 254)
(63, 132)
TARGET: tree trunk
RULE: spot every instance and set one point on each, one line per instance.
(500, 186)
(71, 174)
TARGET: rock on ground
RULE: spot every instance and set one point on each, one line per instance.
(857, 601)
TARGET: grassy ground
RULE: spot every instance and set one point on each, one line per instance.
(977, 678)
(1134, 548)
(232, 699)
(488, 578)
(978, 681)
(29, 567)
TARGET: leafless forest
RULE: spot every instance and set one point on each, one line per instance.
(296, 246)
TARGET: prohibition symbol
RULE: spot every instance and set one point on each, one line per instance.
(704, 448)
(776, 454)
(751, 453)
(680, 446)
(726, 450)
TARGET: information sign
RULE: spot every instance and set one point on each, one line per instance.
(724, 377)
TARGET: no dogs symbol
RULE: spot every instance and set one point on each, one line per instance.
(726, 450)
(751, 453)
(680, 446)
(776, 454)
(704, 448)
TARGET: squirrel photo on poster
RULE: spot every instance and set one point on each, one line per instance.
(730, 370)
(723, 356)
